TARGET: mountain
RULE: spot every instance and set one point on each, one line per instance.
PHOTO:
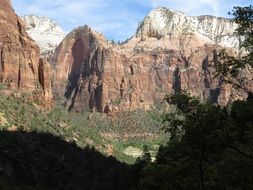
(170, 52)
(46, 33)
(79, 67)
(20, 66)
(162, 22)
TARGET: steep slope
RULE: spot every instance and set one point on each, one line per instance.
(20, 67)
(85, 64)
(43, 161)
(46, 33)
(169, 53)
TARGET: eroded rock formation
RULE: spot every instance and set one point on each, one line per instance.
(19, 57)
(169, 53)
(85, 64)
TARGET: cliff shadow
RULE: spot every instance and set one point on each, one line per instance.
(80, 55)
(177, 81)
(43, 161)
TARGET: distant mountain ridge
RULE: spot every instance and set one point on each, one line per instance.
(44, 31)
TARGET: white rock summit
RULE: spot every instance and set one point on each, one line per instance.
(44, 31)
(163, 22)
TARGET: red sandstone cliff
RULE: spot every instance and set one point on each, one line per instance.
(86, 70)
(20, 67)
(94, 74)
(169, 53)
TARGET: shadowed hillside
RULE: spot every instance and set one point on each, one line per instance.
(42, 161)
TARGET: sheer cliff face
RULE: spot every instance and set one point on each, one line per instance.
(19, 56)
(85, 64)
(169, 53)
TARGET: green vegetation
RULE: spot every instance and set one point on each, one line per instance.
(110, 135)
(32, 161)
(209, 147)
(229, 68)
(50, 149)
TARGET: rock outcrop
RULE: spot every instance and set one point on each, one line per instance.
(169, 53)
(86, 70)
(44, 31)
(19, 57)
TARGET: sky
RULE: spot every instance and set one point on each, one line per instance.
(117, 19)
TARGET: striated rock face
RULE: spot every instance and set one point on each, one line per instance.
(44, 31)
(86, 70)
(19, 56)
(169, 53)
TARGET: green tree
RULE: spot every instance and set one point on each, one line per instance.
(208, 147)
(229, 67)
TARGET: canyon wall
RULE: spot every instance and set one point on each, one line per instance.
(20, 64)
(170, 52)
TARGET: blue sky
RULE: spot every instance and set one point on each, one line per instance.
(117, 19)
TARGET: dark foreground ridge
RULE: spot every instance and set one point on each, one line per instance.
(42, 161)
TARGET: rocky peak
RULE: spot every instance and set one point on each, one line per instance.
(79, 64)
(163, 22)
(46, 32)
(88, 32)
